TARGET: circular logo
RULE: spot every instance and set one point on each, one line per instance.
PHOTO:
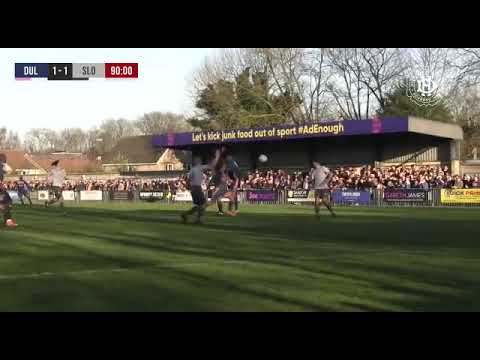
(423, 92)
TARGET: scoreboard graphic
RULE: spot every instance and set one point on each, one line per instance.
(75, 71)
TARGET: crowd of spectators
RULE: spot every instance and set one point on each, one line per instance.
(359, 178)
(366, 177)
(109, 185)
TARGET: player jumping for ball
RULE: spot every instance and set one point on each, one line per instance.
(321, 176)
(195, 180)
(23, 190)
(56, 177)
(220, 180)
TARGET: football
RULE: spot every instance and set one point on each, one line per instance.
(263, 158)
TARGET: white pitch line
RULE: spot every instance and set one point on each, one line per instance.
(192, 264)
(97, 271)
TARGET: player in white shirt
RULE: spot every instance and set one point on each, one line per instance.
(321, 176)
(4, 168)
(56, 176)
(195, 181)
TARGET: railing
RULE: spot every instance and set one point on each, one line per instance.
(371, 198)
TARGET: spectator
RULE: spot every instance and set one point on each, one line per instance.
(424, 177)
(476, 182)
(458, 184)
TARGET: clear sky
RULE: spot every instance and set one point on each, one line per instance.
(162, 86)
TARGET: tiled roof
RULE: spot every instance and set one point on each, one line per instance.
(71, 163)
(133, 150)
(17, 159)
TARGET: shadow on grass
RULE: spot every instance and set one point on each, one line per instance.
(272, 244)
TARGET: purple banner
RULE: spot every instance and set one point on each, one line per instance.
(405, 195)
(262, 195)
(284, 132)
(351, 196)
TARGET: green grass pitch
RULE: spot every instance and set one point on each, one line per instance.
(139, 257)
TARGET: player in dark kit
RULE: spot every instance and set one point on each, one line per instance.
(6, 206)
(23, 190)
(220, 181)
(233, 171)
(2, 167)
(321, 176)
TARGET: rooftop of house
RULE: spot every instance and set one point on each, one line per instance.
(133, 150)
(137, 150)
(17, 159)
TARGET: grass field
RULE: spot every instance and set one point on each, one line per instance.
(139, 257)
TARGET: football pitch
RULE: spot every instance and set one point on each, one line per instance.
(140, 257)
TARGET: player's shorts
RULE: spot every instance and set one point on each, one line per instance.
(22, 193)
(198, 195)
(322, 193)
(57, 191)
(5, 200)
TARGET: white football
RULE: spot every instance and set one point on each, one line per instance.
(263, 158)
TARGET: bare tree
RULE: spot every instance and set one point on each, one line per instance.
(226, 65)
(13, 141)
(3, 136)
(111, 131)
(73, 140)
(381, 69)
(348, 83)
(9, 139)
(285, 68)
(160, 123)
(435, 64)
(40, 140)
(296, 76)
(316, 75)
(467, 62)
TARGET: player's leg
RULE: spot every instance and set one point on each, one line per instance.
(52, 201)
(200, 213)
(217, 197)
(6, 212)
(327, 203)
(7, 215)
(230, 196)
(57, 196)
(231, 201)
(201, 205)
(318, 201)
(198, 199)
(60, 197)
(20, 196)
(234, 199)
(29, 198)
(220, 206)
(187, 213)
